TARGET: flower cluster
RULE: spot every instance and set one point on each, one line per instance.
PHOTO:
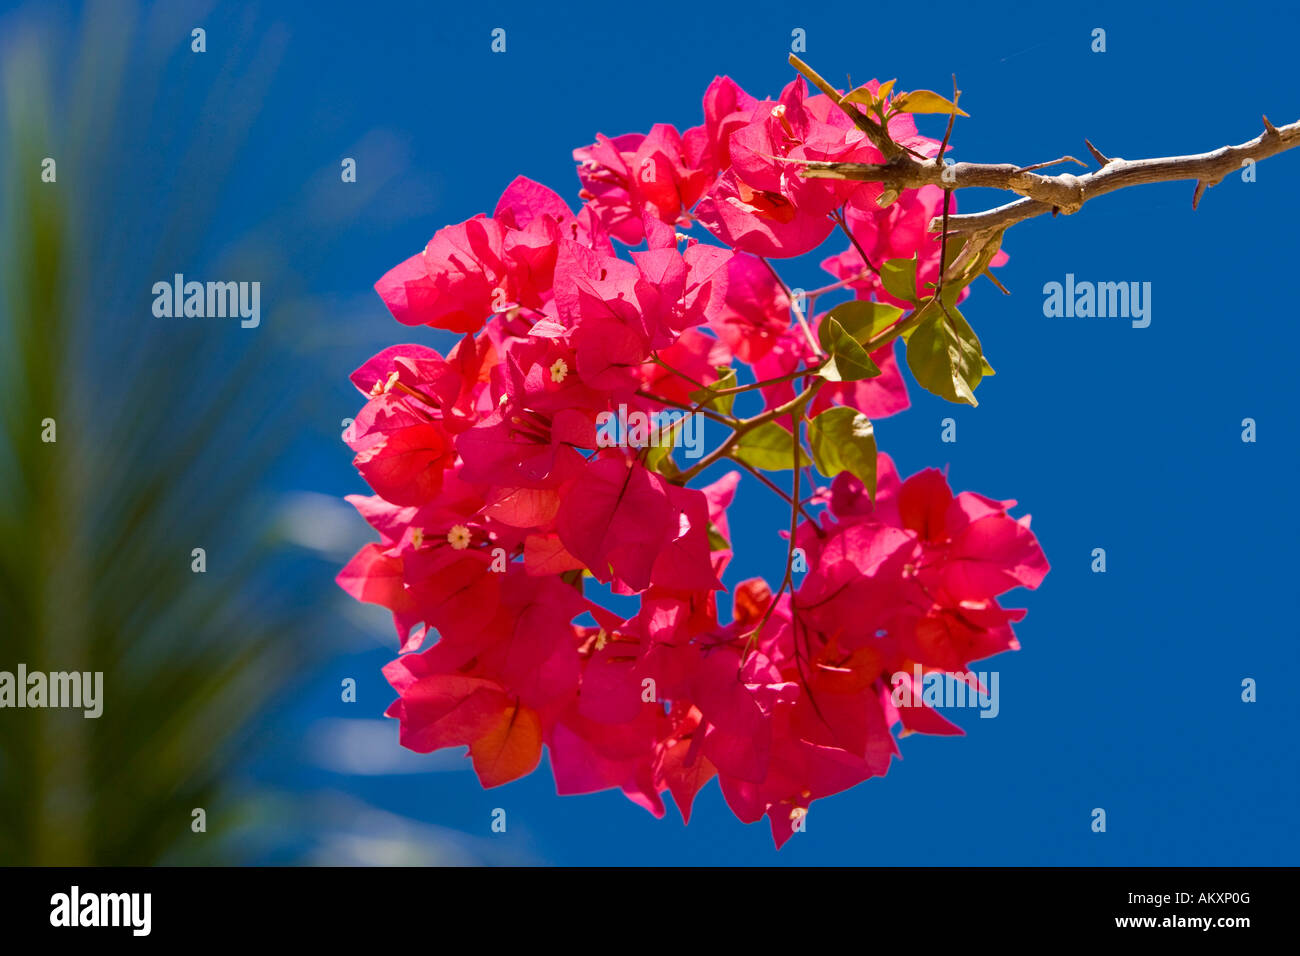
(497, 507)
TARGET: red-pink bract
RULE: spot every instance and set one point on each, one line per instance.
(496, 495)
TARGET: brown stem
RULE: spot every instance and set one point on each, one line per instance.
(682, 375)
(796, 416)
(794, 304)
(875, 132)
(747, 425)
(1064, 193)
(844, 228)
(706, 412)
(775, 488)
(737, 389)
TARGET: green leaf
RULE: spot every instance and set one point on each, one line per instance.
(899, 278)
(952, 249)
(925, 101)
(953, 285)
(952, 290)
(946, 358)
(849, 361)
(716, 541)
(864, 95)
(768, 447)
(860, 95)
(659, 458)
(95, 569)
(971, 260)
(864, 320)
(722, 403)
(843, 439)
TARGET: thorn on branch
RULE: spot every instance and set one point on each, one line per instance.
(1052, 162)
(952, 117)
(994, 280)
(1196, 196)
(1097, 154)
(1041, 193)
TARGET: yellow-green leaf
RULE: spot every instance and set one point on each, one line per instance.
(860, 95)
(864, 320)
(719, 403)
(925, 101)
(946, 357)
(849, 361)
(899, 278)
(769, 446)
(843, 439)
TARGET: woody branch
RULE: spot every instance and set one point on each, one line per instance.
(1041, 193)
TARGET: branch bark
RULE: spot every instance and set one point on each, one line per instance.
(1064, 193)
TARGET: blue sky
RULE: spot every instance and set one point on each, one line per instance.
(1127, 692)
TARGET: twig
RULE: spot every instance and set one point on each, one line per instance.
(943, 252)
(662, 364)
(1053, 162)
(746, 425)
(737, 389)
(1064, 193)
(794, 304)
(952, 118)
(776, 488)
(796, 416)
(838, 216)
(875, 132)
(706, 412)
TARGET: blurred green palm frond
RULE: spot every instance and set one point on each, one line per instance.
(165, 432)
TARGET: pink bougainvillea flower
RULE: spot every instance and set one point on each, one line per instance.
(659, 172)
(756, 309)
(726, 108)
(459, 279)
(500, 498)
(443, 710)
(693, 359)
(762, 204)
(615, 519)
(589, 755)
(483, 266)
(401, 456)
(762, 222)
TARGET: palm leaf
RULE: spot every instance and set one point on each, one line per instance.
(165, 433)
